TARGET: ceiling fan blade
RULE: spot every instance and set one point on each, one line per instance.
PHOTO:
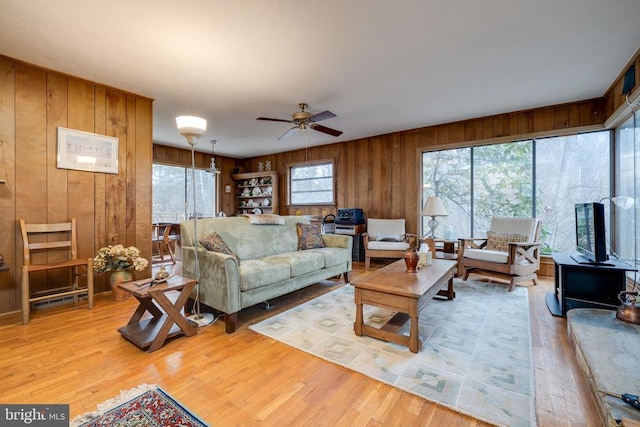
(326, 130)
(288, 133)
(274, 120)
(321, 116)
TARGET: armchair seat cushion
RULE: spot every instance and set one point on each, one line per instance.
(388, 246)
(487, 255)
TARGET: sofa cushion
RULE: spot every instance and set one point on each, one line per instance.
(300, 262)
(486, 255)
(255, 273)
(334, 256)
(389, 238)
(500, 241)
(309, 236)
(213, 242)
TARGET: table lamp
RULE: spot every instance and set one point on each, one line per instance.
(433, 208)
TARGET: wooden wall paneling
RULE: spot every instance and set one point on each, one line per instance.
(457, 132)
(408, 196)
(131, 171)
(364, 181)
(469, 130)
(543, 119)
(587, 114)
(99, 191)
(143, 188)
(56, 189)
(377, 193)
(398, 175)
(501, 125)
(9, 299)
(31, 158)
(487, 128)
(80, 188)
(561, 117)
(116, 184)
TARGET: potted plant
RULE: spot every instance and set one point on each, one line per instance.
(119, 260)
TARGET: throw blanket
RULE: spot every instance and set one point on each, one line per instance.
(264, 219)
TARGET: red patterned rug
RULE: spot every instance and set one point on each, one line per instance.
(145, 405)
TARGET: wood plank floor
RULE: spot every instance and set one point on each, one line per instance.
(69, 354)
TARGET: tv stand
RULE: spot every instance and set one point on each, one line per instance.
(581, 259)
(592, 285)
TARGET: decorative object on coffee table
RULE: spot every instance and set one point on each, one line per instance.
(411, 258)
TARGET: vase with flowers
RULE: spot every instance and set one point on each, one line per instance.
(119, 260)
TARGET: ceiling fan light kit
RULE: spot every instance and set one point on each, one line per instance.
(304, 120)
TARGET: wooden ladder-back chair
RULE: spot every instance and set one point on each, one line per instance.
(61, 239)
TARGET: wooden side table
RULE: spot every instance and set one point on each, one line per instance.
(167, 320)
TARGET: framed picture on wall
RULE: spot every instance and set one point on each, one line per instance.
(87, 151)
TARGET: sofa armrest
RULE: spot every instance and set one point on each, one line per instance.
(338, 241)
(219, 278)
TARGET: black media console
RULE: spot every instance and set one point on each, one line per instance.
(579, 284)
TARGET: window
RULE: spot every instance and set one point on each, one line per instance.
(627, 230)
(544, 178)
(172, 197)
(311, 184)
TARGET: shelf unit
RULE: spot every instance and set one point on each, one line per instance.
(261, 188)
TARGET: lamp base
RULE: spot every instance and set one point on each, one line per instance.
(433, 224)
(202, 319)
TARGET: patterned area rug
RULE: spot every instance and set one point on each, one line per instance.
(145, 405)
(476, 355)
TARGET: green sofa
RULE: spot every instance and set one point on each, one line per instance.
(270, 262)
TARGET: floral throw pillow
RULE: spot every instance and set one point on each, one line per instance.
(309, 236)
(500, 241)
(214, 243)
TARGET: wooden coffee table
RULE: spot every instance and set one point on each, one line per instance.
(392, 287)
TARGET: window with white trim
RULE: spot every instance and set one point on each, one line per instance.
(312, 183)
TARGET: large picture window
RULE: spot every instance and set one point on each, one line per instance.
(541, 178)
(311, 184)
(172, 197)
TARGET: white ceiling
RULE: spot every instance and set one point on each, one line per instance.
(379, 65)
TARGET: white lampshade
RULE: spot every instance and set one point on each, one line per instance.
(434, 207)
(191, 127)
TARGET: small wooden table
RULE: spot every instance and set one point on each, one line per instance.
(392, 287)
(167, 320)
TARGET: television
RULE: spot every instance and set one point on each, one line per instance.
(590, 233)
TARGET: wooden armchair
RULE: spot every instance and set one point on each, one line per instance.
(510, 251)
(386, 238)
(60, 242)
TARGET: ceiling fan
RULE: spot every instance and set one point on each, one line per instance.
(303, 120)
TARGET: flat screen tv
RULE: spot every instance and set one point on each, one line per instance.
(590, 232)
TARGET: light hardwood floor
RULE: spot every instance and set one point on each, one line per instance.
(73, 355)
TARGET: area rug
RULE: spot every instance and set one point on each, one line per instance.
(146, 405)
(476, 355)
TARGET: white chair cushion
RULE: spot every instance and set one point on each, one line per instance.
(388, 246)
(387, 227)
(486, 255)
(515, 226)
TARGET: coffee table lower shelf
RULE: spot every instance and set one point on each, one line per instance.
(145, 332)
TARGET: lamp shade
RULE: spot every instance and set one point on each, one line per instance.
(434, 207)
(191, 126)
